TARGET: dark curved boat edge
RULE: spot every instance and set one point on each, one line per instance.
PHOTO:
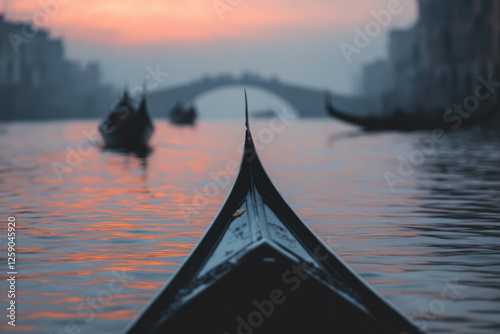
(412, 122)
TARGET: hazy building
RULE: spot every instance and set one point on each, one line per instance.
(375, 81)
(405, 66)
(36, 81)
(436, 62)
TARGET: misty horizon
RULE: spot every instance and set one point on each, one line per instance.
(296, 49)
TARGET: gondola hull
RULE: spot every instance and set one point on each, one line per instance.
(396, 122)
(182, 120)
(133, 133)
(401, 121)
(270, 293)
(260, 269)
(131, 130)
(182, 115)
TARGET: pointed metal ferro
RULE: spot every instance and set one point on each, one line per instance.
(249, 154)
(246, 111)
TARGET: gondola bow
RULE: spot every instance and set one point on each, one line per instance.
(259, 269)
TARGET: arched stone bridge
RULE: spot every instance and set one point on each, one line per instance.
(307, 102)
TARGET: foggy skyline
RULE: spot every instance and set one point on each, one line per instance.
(295, 41)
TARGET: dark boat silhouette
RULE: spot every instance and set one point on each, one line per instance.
(260, 269)
(422, 119)
(183, 115)
(125, 127)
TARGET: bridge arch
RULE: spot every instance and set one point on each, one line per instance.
(307, 102)
(227, 101)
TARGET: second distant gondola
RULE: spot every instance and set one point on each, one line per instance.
(182, 115)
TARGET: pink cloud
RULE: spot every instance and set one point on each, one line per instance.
(134, 22)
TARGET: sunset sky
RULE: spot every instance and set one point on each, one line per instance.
(295, 40)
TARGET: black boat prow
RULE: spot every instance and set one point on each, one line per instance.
(127, 128)
(259, 269)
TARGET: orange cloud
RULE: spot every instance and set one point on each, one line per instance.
(133, 22)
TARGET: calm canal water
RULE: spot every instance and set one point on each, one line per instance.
(96, 243)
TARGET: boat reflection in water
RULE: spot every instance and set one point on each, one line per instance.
(141, 153)
(259, 266)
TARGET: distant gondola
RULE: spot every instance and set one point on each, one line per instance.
(126, 127)
(181, 115)
(260, 269)
(422, 119)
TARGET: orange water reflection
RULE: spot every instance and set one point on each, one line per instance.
(112, 216)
